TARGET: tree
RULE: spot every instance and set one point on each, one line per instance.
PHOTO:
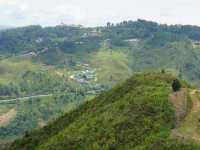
(108, 24)
(163, 71)
(176, 85)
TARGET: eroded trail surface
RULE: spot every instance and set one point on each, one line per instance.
(189, 127)
(179, 101)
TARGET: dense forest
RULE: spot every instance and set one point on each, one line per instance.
(68, 38)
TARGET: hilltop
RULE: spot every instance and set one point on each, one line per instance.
(137, 114)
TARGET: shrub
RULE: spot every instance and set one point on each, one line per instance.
(176, 85)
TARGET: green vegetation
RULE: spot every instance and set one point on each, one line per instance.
(189, 129)
(134, 115)
(37, 113)
(21, 78)
(112, 66)
(176, 85)
(144, 43)
(73, 64)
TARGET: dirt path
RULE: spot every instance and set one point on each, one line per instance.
(179, 101)
(196, 106)
(189, 129)
(7, 117)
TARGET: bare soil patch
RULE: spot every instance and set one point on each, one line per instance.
(6, 118)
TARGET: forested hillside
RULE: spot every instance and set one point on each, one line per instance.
(69, 65)
(137, 114)
(143, 42)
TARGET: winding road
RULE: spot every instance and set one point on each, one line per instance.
(25, 98)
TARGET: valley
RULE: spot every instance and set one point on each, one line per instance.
(48, 72)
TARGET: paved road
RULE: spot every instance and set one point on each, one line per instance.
(24, 98)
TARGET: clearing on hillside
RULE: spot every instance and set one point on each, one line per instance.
(179, 100)
(7, 117)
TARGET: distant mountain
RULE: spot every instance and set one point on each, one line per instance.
(134, 115)
(4, 27)
(142, 45)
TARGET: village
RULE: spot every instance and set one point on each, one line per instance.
(87, 77)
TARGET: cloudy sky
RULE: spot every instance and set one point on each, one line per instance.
(97, 12)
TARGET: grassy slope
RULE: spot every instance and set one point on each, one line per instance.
(190, 127)
(177, 57)
(112, 65)
(134, 115)
(32, 114)
(12, 69)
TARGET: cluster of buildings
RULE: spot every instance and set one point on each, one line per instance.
(88, 78)
(132, 40)
(196, 44)
(85, 76)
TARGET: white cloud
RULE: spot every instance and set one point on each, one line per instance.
(20, 12)
(24, 7)
(8, 2)
(69, 11)
(97, 12)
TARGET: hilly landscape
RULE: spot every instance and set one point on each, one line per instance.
(4, 27)
(137, 114)
(63, 87)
